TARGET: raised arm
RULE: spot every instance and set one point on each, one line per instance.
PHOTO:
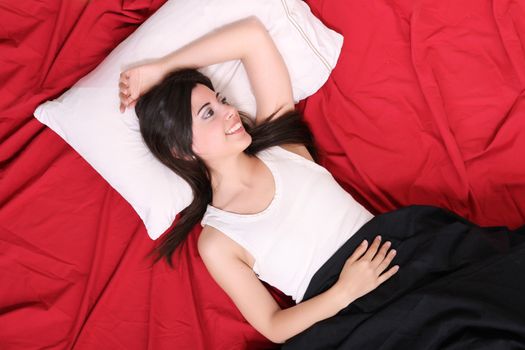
(247, 40)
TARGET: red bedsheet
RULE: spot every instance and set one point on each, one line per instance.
(425, 106)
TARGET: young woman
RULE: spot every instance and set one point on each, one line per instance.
(268, 211)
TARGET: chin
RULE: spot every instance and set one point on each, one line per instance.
(247, 141)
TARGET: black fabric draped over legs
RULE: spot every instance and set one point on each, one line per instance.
(460, 286)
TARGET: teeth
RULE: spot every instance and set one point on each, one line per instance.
(234, 128)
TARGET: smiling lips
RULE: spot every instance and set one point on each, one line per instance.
(236, 128)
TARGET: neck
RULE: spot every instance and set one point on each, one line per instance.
(232, 174)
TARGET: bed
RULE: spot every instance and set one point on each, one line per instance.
(425, 106)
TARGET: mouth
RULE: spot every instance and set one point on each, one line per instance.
(235, 129)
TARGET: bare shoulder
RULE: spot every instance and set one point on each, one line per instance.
(213, 244)
(213, 239)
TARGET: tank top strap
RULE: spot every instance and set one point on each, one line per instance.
(278, 153)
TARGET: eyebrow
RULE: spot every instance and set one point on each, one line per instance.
(206, 104)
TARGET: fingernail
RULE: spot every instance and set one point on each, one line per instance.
(393, 252)
(378, 238)
(364, 242)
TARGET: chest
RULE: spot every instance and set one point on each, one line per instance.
(252, 199)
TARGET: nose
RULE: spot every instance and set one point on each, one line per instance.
(230, 112)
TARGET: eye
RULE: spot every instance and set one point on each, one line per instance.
(208, 114)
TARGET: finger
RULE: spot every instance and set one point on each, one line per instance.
(123, 80)
(386, 262)
(359, 251)
(124, 75)
(373, 249)
(124, 99)
(123, 86)
(122, 108)
(380, 256)
(391, 272)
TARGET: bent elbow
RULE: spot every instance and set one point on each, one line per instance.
(278, 328)
(276, 338)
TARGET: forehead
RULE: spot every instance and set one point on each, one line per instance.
(200, 95)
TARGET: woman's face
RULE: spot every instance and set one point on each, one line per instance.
(217, 128)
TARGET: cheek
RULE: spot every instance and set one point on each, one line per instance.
(207, 140)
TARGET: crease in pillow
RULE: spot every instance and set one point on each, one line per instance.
(289, 15)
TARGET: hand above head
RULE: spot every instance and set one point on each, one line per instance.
(365, 269)
(135, 82)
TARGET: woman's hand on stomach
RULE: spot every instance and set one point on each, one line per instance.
(365, 270)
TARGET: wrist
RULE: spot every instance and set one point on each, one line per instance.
(165, 65)
(340, 295)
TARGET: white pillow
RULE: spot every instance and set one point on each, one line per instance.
(87, 116)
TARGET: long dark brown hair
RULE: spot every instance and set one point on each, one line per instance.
(165, 121)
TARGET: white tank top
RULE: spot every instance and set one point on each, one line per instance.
(309, 218)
